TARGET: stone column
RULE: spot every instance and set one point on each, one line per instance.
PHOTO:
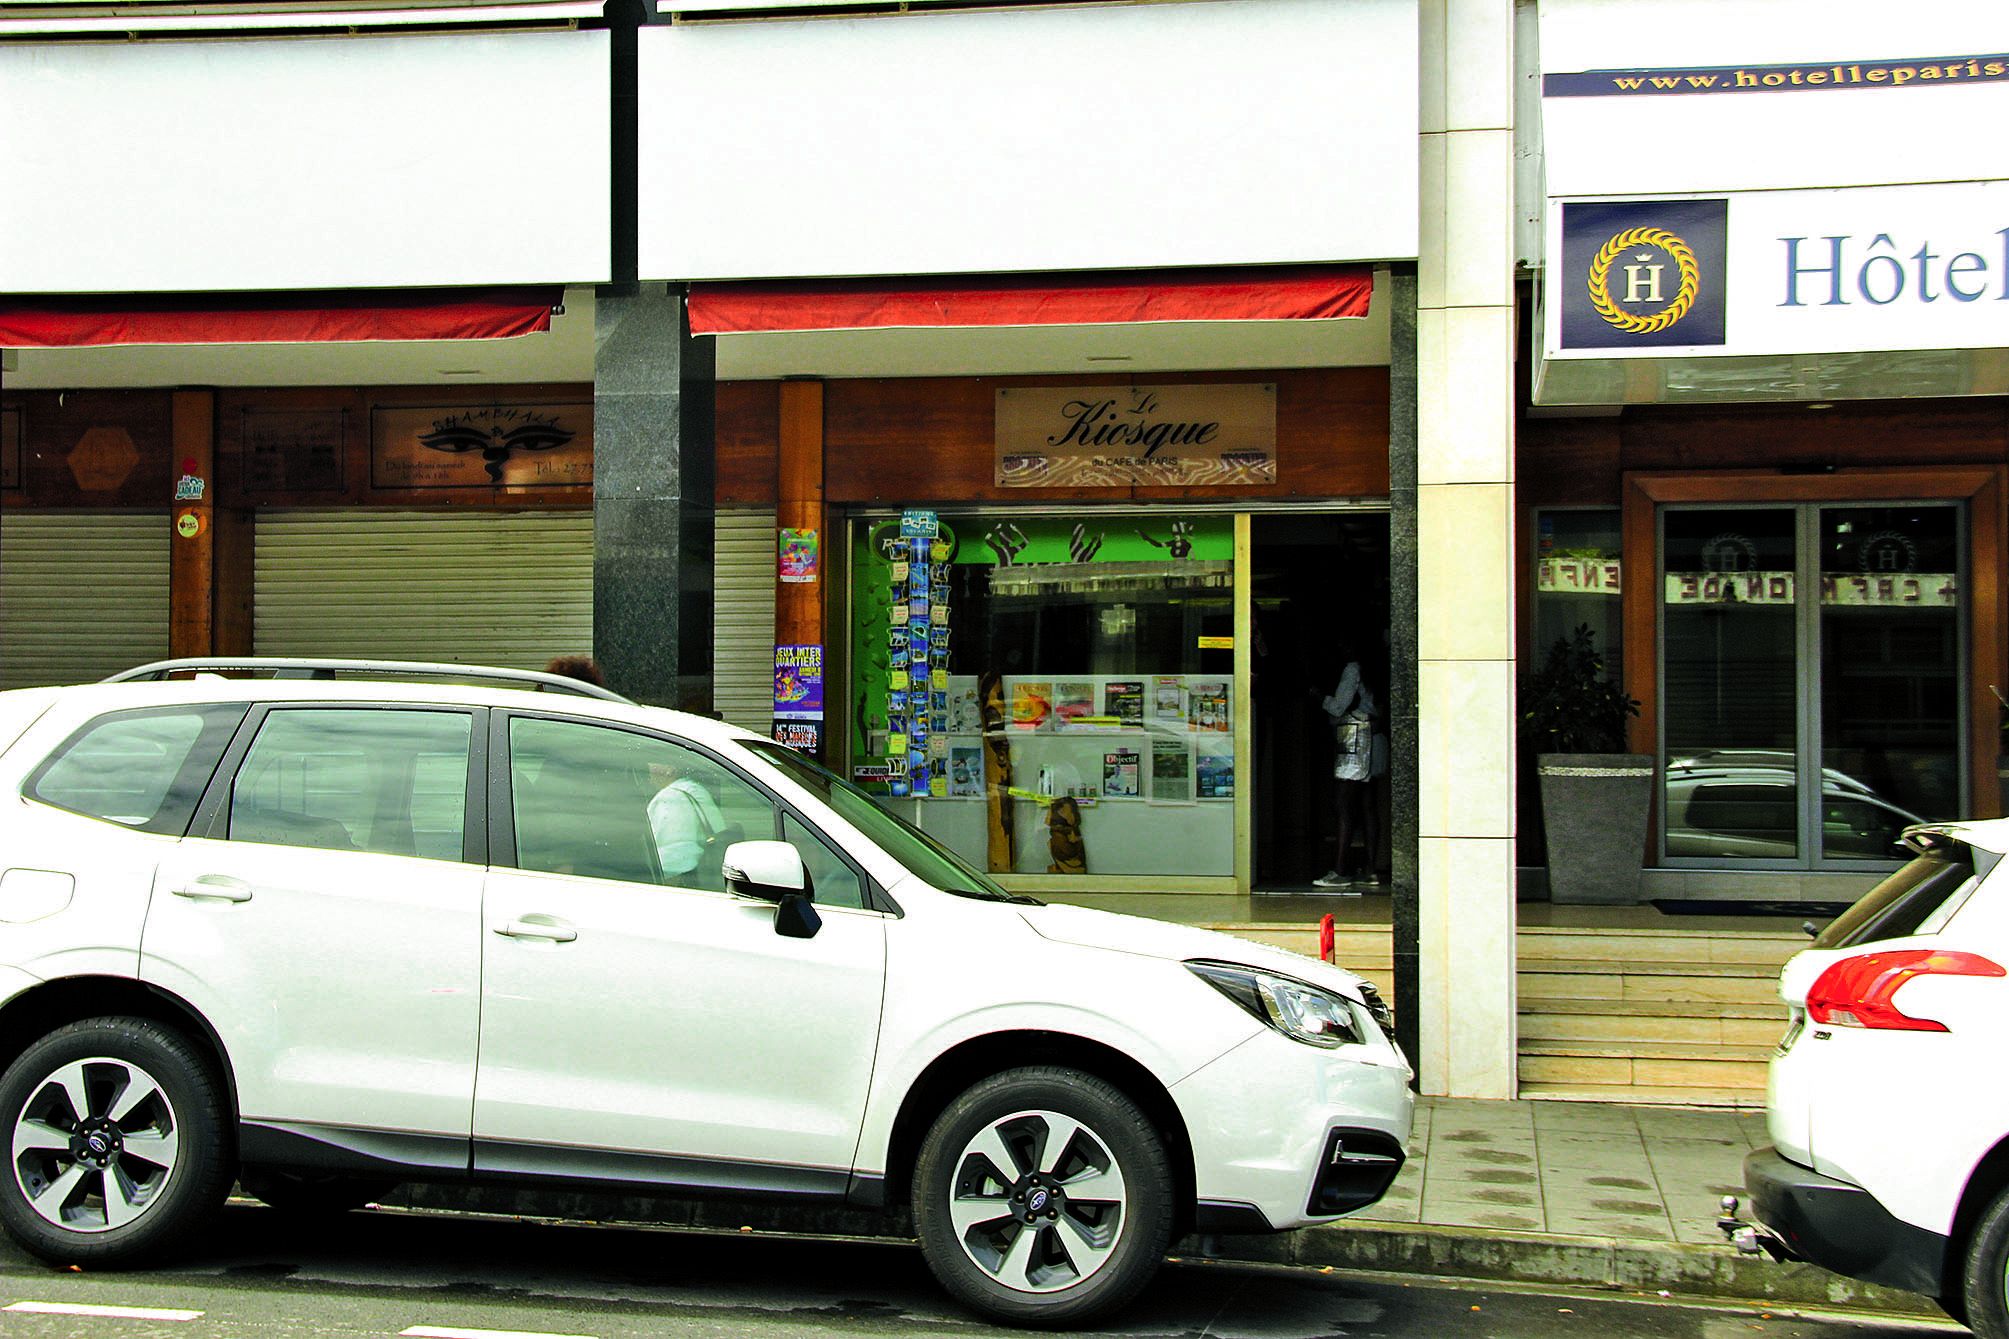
(1464, 533)
(653, 474)
(1403, 809)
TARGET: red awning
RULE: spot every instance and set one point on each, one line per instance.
(275, 318)
(1293, 293)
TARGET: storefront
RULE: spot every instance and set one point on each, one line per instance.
(1104, 682)
(1762, 460)
(84, 539)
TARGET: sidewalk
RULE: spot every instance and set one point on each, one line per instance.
(1569, 1193)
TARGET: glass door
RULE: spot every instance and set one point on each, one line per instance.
(1810, 681)
(1890, 674)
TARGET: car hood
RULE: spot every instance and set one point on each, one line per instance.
(1088, 928)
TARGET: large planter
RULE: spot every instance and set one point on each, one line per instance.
(1594, 809)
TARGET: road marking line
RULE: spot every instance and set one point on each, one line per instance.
(114, 1312)
(445, 1332)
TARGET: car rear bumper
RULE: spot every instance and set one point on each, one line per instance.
(1842, 1227)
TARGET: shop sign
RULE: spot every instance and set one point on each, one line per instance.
(293, 450)
(10, 448)
(1578, 576)
(482, 446)
(1916, 590)
(1126, 436)
(798, 683)
(1867, 269)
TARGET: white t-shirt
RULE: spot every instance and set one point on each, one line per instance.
(683, 814)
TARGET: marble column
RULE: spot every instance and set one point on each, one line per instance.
(1402, 759)
(653, 473)
(1466, 997)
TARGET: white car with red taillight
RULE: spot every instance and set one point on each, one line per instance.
(1889, 1100)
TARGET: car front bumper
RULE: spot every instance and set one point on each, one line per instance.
(1285, 1135)
(1841, 1227)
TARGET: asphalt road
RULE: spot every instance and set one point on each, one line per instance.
(382, 1273)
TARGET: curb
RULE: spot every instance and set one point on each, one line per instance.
(1484, 1254)
(1584, 1262)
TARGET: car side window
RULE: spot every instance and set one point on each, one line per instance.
(834, 881)
(143, 769)
(344, 779)
(607, 803)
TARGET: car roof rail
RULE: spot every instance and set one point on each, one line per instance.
(314, 667)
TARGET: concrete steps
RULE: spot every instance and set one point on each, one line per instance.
(1617, 1015)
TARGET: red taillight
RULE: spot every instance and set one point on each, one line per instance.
(1856, 992)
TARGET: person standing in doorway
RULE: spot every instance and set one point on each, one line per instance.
(1360, 736)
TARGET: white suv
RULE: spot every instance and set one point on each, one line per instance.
(324, 934)
(1889, 1102)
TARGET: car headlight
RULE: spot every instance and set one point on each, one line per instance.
(1304, 1013)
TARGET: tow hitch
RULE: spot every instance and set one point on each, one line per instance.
(1748, 1237)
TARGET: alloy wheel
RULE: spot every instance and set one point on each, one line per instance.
(95, 1144)
(1038, 1201)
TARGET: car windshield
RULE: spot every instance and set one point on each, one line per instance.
(921, 855)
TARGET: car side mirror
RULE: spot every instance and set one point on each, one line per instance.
(773, 872)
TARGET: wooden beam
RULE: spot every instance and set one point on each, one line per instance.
(799, 605)
(192, 545)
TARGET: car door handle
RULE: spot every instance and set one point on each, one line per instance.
(556, 932)
(216, 888)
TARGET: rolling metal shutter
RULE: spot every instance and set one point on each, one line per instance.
(81, 595)
(743, 617)
(475, 588)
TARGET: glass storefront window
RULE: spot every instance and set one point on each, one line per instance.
(1056, 695)
(1577, 581)
(1730, 683)
(1810, 679)
(1890, 674)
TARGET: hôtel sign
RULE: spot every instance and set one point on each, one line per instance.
(1863, 269)
(1127, 436)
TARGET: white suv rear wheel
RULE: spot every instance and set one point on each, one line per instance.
(114, 1129)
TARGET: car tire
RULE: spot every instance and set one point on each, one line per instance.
(133, 1172)
(1074, 1226)
(311, 1194)
(1985, 1282)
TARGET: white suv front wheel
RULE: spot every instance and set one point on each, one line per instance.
(1043, 1196)
(115, 1142)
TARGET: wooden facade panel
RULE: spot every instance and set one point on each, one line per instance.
(1572, 462)
(930, 439)
(1575, 462)
(95, 449)
(748, 437)
(354, 407)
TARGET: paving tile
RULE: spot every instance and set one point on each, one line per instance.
(1607, 1225)
(1481, 1216)
(1583, 1116)
(1486, 1197)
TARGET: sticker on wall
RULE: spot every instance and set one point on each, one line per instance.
(803, 736)
(798, 556)
(188, 525)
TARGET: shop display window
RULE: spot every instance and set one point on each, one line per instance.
(1578, 581)
(1051, 695)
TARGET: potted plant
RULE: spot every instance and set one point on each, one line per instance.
(1595, 795)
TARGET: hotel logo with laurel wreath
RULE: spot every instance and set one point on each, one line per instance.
(1646, 273)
